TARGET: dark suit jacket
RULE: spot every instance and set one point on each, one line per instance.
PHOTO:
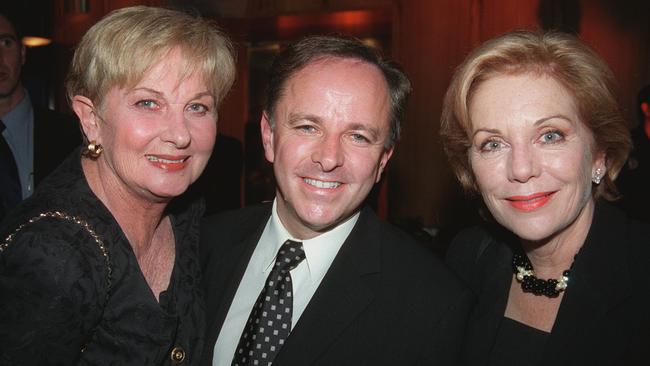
(604, 318)
(56, 135)
(384, 301)
(220, 182)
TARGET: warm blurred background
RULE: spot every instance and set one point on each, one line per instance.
(428, 37)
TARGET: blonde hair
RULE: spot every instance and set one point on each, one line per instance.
(125, 44)
(558, 55)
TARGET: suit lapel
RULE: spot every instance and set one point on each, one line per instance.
(232, 265)
(598, 283)
(341, 296)
(487, 316)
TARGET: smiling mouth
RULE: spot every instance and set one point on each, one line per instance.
(156, 159)
(531, 202)
(321, 184)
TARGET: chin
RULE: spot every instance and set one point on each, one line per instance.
(167, 193)
(319, 221)
(531, 229)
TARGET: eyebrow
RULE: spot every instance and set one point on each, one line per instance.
(8, 35)
(555, 116)
(159, 94)
(295, 117)
(536, 123)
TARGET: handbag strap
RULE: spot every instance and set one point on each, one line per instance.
(78, 221)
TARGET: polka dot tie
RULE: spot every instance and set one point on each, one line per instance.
(269, 324)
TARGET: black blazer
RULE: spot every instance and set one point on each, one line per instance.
(604, 318)
(384, 301)
(56, 135)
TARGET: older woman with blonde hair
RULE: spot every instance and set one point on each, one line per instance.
(97, 267)
(531, 123)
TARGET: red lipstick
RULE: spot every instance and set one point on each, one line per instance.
(531, 202)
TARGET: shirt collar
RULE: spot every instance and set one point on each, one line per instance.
(319, 251)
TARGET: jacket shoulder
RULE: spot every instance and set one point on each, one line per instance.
(417, 265)
(228, 228)
(54, 287)
(466, 251)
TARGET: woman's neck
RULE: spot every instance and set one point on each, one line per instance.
(138, 217)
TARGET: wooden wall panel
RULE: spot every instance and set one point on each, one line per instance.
(500, 16)
(430, 39)
(233, 113)
(624, 43)
(69, 27)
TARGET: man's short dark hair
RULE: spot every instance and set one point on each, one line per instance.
(643, 97)
(11, 14)
(315, 48)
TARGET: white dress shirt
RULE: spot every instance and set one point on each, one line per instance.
(306, 277)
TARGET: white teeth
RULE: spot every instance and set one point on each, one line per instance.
(164, 161)
(321, 184)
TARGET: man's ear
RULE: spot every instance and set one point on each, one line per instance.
(23, 52)
(385, 157)
(645, 107)
(267, 137)
(85, 110)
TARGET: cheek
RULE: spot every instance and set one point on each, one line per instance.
(123, 132)
(204, 136)
(290, 150)
(573, 166)
(365, 165)
(488, 173)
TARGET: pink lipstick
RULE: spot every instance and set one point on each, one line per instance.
(168, 162)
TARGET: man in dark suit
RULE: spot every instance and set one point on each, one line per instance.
(34, 140)
(316, 278)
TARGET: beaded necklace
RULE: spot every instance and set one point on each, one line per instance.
(525, 275)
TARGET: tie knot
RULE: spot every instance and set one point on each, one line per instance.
(290, 255)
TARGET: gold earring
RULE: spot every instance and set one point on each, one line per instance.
(93, 150)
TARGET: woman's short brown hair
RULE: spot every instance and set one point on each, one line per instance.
(558, 55)
(124, 45)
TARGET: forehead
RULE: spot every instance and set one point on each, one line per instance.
(174, 65)
(6, 29)
(344, 85)
(527, 96)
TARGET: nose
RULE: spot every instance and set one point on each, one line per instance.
(328, 153)
(177, 131)
(523, 164)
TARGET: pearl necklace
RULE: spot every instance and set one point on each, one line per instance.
(525, 275)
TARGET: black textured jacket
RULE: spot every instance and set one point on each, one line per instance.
(604, 317)
(53, 285)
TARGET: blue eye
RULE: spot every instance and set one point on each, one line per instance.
(552, 137)
(147, 103)
(357, 137)
(306, 128)
(198, 107)
(491, 145)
